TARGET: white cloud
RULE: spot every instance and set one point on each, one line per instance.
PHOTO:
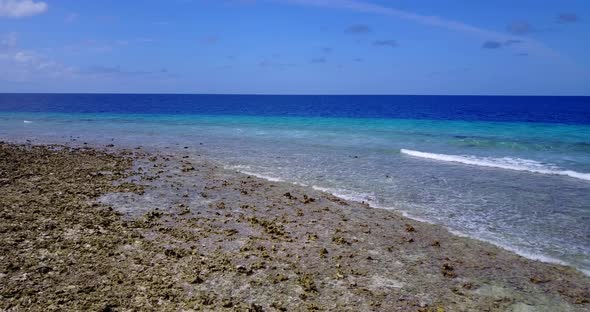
(21, 65)
(21, 8)
(24, 57)
(528, 45)
(27, 66)
(367, 7)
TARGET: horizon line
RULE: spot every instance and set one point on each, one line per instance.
(287, 94)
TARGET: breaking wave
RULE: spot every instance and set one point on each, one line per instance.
(509, 163)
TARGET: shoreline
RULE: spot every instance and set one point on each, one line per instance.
(535, 257)
(297, 248)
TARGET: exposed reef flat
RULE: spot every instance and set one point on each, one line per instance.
(113, 229)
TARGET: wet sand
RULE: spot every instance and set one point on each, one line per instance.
(114, 229)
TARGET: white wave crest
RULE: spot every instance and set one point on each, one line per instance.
(27, 121)
(262, 176)
(347, 194)
(236, 167)
(245, 170)
(509, 163)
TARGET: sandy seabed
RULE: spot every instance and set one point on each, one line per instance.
(109, 228)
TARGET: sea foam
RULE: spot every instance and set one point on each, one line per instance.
(371, 200)
(509, 163)
(246, 170)
(347, 194)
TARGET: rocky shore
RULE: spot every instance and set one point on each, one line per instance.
(113, 229)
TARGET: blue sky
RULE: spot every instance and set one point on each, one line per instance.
(500, 47)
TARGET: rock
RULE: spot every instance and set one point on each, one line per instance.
(339, 240)
(279, 306)
(307, 200)
(448, 271)
(197, 280)
(307, 283)
(243, 270)
(227, 303)
(44, 269)
(280, 278)
(538, 280)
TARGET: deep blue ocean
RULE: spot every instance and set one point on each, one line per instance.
(568, 110)
(514, 171)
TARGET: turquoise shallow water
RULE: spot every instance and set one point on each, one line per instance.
(522, 185)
